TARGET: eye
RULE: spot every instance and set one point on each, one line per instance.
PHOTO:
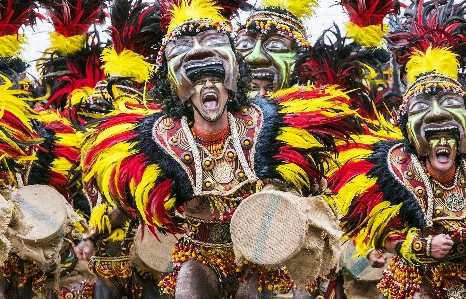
(418, 107)
(276, 46)
(177, 50)
(244, 44)
(218, 41)
(452, 102)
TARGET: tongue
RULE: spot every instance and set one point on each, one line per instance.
(442, 158)
(210, 104)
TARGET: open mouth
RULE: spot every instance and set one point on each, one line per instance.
(443, 155)
(210, 100)
(443, 151)
(195, 70)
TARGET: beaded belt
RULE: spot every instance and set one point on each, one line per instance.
(208, 232)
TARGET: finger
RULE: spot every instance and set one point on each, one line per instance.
(449, 242)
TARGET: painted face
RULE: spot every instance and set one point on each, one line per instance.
(208, 49)
(260, 87)
(209, 98)
(271, 56)
(433, 117)
(442, 151)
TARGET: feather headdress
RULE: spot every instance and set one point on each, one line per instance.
(434, 70)
(436, 24)
(71, 20)
(366, 19)
(188, 17)
(135, 32)
(359, 71)
(286, 16)
(14, 15)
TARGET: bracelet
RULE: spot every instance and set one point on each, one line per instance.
(421, 246)
(429, 245)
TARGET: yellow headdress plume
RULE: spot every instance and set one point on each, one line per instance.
(126, 64)
(194, 10)
(438, 60)
(299, 8)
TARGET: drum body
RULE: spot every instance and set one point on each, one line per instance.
(43, 213)
(268, 228)
(150, 254)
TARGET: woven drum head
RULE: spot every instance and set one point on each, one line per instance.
(152, 254)
(359, 267)
(268, 228)
(44, 208)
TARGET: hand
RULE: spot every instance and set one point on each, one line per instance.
(441, 245)
(84, 250)
(377, 258)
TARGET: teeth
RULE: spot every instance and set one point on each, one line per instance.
(442, 151)
(442, 129)
(203, 64)
(262, 75)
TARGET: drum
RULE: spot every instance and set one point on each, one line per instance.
(150, 254)
(268, 228)
(43, 213)
(359, 267)
(273, 228)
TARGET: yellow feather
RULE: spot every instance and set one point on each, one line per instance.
(119, 234)
(294, 175)
(371, 235)
(127, 64)
(61, 165)
(79, 95)
(114, 130)
(99, 218)
(67, 45)
(195, 10)
(141, 195)
(70, 139)
(406, 247)
(327, 104)
(440, 60)
(353, 188)
(11, 45)
(299, 138)
(299, 8)
(369, 36)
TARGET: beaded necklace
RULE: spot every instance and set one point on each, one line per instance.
(213, 142)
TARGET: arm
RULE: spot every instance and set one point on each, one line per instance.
(85, 249)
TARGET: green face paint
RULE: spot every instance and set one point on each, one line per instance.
(435, 112)
(451, 142)
(271, 56)
(206, 48)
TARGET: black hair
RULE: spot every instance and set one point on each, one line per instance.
(174, 107)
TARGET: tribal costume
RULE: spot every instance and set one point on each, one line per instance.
(399, 195)
(159, 168)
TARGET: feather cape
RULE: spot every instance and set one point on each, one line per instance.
(295, 142)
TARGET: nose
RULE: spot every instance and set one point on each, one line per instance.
(257, 56)
(262, 91)
(198, 52)
(437, 114)
(208, 83)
